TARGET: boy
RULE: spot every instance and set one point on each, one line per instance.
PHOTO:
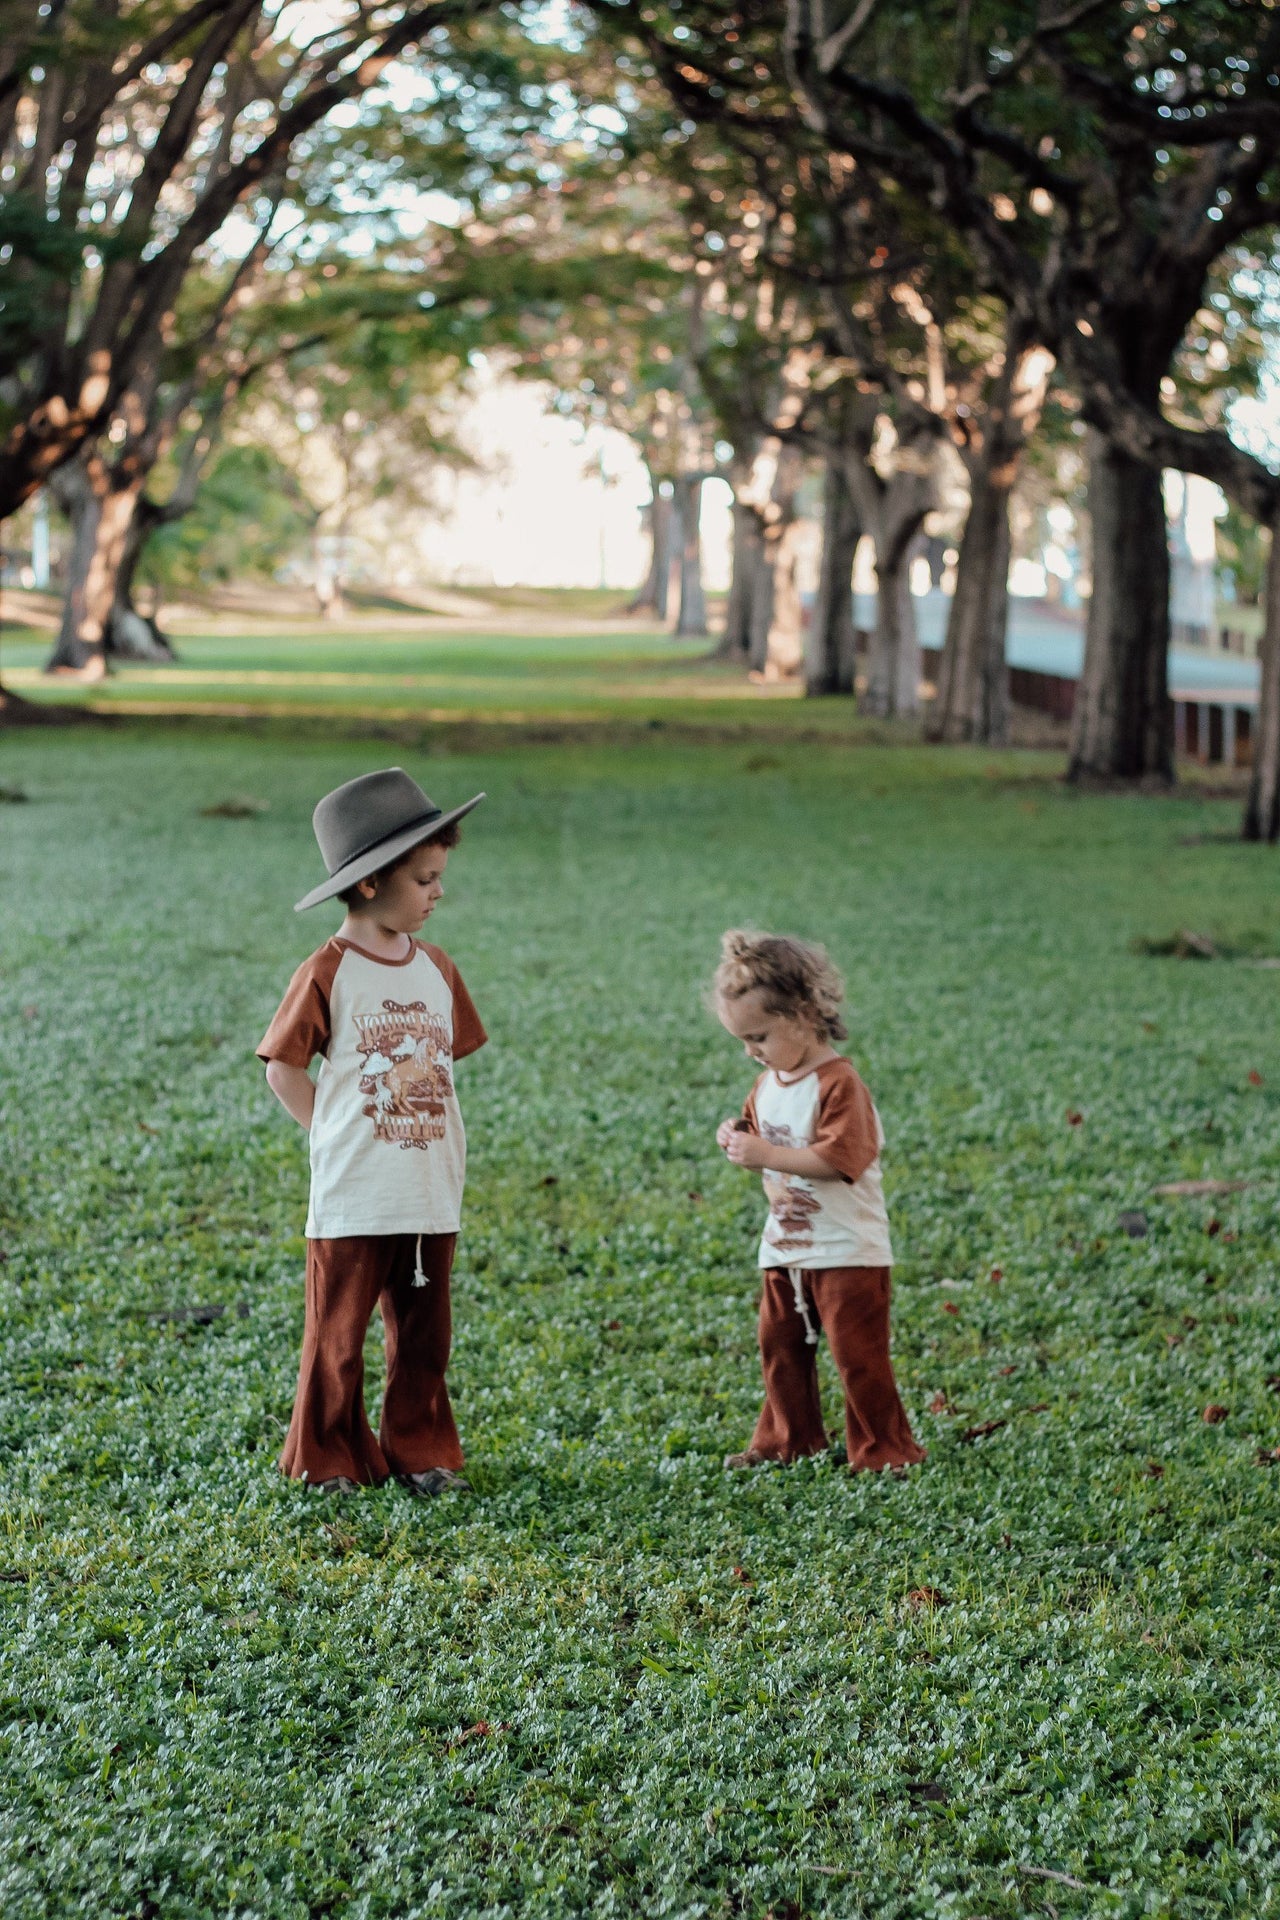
(389, 1015)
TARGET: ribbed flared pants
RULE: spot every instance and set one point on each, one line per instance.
(851, 1305)
(329, 1433)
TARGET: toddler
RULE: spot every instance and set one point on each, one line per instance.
(810, 1127)
(388, 1016)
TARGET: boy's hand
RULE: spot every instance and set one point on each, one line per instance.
(725, 1132)
(747, 1150)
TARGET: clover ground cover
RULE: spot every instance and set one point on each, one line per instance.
(1039, 1674)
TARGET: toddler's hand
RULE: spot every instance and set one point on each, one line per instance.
(746, 1150)
(725, 1132)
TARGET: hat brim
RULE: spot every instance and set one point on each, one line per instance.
(373, 859)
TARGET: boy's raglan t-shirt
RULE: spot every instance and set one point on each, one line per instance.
(388, 1148)
(822, 1223)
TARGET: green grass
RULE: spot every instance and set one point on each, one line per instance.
(221, 1698)
(634, 675)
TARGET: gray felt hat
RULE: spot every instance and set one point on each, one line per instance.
(370, 822)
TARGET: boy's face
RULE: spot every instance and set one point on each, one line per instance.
(776, 1040)
(402, 900)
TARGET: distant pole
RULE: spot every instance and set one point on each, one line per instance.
(40, 542)
(604, 502)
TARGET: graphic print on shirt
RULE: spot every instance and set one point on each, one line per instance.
(406, 1057)
(791, 1206)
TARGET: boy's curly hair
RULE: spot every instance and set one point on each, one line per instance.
(791, 976)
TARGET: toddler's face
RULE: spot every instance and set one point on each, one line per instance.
(779, 1041)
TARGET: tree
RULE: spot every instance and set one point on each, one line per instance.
(98, 232)
(1097, 159)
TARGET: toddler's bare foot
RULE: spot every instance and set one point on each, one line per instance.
(735, 1462)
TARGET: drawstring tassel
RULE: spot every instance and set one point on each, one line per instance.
(419, 1277)
(795, 1275)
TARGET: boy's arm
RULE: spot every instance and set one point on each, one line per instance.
(294, 1088)
(299, 1031)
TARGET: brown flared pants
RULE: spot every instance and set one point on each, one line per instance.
(329, 1433)
(851, 1305)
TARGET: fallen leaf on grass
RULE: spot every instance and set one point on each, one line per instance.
(1213, 1229)
(1004, 1370)
(1134, 1223)
(925, 1599)
(1041, 1406)
(997, 1275)
(13, 797)
(240, 806)
(940, 1403)
(740, 1573)
(1214, 1414)
(12, 1573)
(612, 1326)
(949, 1306)
(982, 1430)
(1273, 1381)
(1196, 1189)
(1255, 1078)
(1185, 944)
(927, 1790)
(1074, 1117)
(480, 1731)
(144, 1128)
(1153, 1471)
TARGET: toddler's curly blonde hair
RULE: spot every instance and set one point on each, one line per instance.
(791, 976)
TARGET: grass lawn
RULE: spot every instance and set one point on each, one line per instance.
(616, 1681)
(439, 671)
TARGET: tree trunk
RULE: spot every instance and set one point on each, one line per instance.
(132, 635)
(1123, 723)
(735, 641)
(893, 662)
(973, 684)
(1262, 810)
(102, 517)
(760, 610)
(784, 646)
(691, 616)
(654, 594)
(828, 659)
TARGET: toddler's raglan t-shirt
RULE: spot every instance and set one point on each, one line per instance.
(388, 1148)
(823, 1223)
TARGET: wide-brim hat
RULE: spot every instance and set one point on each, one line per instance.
(365, 825)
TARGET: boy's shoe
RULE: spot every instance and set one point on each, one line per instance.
(338, 1484)
(435, 1480)
(735, 1462)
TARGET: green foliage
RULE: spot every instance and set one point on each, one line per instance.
(247, 521)
(563, 1697)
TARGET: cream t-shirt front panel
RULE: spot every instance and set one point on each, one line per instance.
(388, 1145)
(840, 1222)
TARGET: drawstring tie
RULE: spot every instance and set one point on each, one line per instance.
(796, 1277)
(419, 1277)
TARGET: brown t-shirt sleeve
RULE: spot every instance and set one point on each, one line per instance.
(301, 1028)
(468, 1028)
(749, 1114)
(847, 1136)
